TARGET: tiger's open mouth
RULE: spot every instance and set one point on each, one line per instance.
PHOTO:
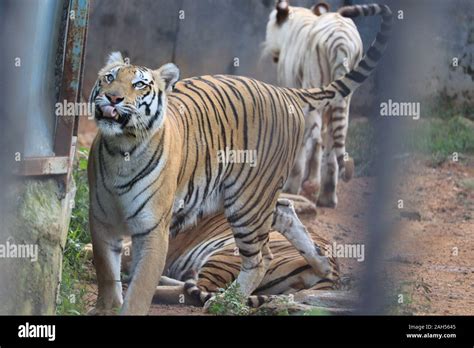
(109, 115)
(109, 112)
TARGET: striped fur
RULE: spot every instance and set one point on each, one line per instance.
(214, 261)
(204, 258)
(313, 48)
(154, 166)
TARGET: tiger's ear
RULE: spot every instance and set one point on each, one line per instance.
(169, 73)
(320, 8)
(283, 10)
(115, 58)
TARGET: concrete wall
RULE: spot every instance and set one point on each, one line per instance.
(435, 32)
(37, 217)
(209, 38)
(214, 32)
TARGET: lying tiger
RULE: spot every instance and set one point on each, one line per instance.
(205, 258)
(156, 166)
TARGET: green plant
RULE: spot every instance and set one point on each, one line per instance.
(441, 138)
(315, 311)
(229, 302)
(76, 268)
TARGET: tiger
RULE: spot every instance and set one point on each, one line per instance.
(157, 166)
(206, 269)
(313, 47)
(204, 259)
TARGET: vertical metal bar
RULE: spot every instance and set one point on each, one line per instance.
(74, 52)
(381, 225)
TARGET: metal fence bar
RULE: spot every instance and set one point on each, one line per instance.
(70, 92)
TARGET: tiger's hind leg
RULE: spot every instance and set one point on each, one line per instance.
(294, 181)
(327, 195)
(251, 234)
(313, 143)
(336, 163)
(288, 224)
(255, 255)
(340, 124)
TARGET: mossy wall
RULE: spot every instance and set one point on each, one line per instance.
(39, 216)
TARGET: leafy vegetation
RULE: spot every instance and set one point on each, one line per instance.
(315, 312)
(440, 138)
(72, 298)
(230, 302)
(442, 131)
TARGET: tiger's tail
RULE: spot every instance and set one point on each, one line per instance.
(354, 78)
(331, 95)
(362, 71)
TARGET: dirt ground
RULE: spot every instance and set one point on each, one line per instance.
(434, 277)
(433, 252)
(431, 256)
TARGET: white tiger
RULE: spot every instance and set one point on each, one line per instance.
(312, 48)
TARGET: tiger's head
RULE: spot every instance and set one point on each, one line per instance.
(130, 100)
(279, 20)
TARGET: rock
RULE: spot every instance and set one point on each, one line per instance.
(311, 302)
(327, 299)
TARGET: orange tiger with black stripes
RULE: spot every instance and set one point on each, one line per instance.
(155, 170)
(204, 259)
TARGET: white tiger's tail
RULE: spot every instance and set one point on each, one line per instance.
(331, 95)
(342, 87)
(362, 71)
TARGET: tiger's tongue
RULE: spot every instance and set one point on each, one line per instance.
(109, 111)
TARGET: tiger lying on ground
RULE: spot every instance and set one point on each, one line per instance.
(156, 165)
(205, 258)
(312, 48)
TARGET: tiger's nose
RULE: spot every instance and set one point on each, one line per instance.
(114, 99)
